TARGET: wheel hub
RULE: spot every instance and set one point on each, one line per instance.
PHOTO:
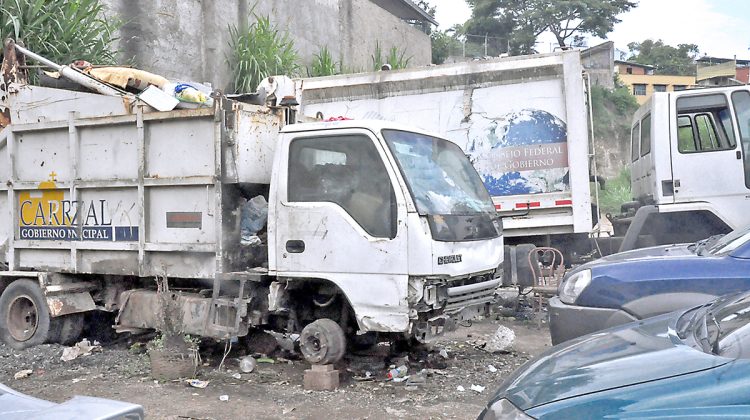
(22, 318)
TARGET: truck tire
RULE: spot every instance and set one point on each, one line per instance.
(24, 316)
(322, 342)
(66, 329)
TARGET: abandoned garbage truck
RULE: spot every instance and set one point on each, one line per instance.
(372, 227)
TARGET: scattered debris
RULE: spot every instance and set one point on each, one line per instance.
(82, 348)
(502, 340)
(23, 374)
(395, 412)
(247, 364)
(288, 410)
(265, 360)
(367, 377)
(491, 368)
(236, 376)
(397, 373)
(224, 397)
(443, 353)
(460, 388)
(478, 388)
(197, 383)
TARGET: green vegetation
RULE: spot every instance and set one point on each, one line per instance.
(613, 111)
(520, 22)
(443, 43)
(617, 192)
(666, 59)
(62, 31)
(397, 59)
(324, 65)
(260, 52)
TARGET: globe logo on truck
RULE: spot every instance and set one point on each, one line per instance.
(522, 152)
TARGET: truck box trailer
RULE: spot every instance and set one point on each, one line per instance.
(372, 227)
(522, 120)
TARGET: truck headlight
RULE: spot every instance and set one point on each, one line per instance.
(574, 285)
(504, 409)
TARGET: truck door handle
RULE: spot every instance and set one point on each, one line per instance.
(295, 246)
(739, 155)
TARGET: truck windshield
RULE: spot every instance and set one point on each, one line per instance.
(445, 187)
(440, 176)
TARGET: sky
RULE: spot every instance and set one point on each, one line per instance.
(720, 28)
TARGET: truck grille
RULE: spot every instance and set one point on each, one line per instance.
(460, 297)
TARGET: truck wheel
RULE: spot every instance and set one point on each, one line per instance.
(66, 329)
(322, 342)
(24, 316)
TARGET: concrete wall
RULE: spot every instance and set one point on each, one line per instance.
(189, 39)
(599, 63)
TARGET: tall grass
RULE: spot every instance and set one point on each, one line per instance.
(324, 65)
(616, 192)
(395, 58)
(260, 52)
(61, 30)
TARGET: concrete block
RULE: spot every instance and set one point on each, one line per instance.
(321, 378)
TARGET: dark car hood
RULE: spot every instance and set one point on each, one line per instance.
(626, 355)
(679, 250)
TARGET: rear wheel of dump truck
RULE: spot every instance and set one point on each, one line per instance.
(24, 316)
(66, 329)
(322, 342)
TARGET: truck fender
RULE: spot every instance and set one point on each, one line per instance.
(369, 314)
(662, 303)
(70, 303)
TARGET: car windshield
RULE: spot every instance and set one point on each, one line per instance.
(728, 242)
(439, 175)
(722, 328)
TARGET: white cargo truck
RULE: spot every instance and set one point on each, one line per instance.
(690, 167)
(522, 120)
(372, 227)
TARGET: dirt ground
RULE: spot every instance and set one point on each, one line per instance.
(275, 390)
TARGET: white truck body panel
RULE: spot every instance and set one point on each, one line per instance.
(124, 191)
(522, 120)
(147, 184)
(669, 175)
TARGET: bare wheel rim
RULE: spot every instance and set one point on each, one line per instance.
(23, 320)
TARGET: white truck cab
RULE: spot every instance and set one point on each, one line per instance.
(690, 171)
(396, 218)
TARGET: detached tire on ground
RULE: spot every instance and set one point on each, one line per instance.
(322, 342)
(24, 316)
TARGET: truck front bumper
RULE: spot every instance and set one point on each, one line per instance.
(570, 321)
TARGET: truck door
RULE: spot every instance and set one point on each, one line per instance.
(707, 161)
(339, 215)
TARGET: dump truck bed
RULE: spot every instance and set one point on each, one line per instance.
(95, 184)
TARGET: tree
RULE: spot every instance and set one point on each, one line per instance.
(522, 21)
(666, 59)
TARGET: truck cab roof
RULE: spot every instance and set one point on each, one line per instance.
(373, 125)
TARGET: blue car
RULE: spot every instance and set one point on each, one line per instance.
(638, 284)
(692, 363)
